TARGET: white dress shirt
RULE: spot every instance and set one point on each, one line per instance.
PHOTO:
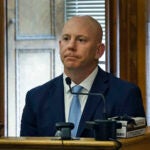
(86, 84)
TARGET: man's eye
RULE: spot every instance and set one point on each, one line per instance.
(82, 40)
(65, 38)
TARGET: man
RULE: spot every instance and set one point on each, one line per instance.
(80, 49)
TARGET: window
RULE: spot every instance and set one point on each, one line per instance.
(94, 8)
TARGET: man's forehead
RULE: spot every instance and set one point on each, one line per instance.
(76, 31)
(79, 21)
(82, 22)
(85, 25)
(77, 26)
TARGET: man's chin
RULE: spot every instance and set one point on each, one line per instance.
(70, 64)
(71, 67)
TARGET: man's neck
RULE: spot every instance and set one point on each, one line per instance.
(77, 76)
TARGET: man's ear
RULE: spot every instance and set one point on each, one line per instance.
(59, 42)
(100, 50)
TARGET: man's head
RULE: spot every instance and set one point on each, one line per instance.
(80, 44)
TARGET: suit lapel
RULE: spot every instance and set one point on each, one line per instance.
(56, 97)
(100, 85)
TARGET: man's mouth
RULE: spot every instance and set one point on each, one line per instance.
(70, 56)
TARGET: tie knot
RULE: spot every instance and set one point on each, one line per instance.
(77, 88)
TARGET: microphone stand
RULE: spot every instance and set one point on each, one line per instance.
(103, 129)
(68, 82)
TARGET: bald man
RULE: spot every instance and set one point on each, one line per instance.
(80, 49)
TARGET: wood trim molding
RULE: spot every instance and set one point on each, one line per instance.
(141, 47)
(2, 47)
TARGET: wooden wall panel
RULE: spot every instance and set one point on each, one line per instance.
(141, 46)
(112, 32)
(132, 43)
(132, 37)
(2, 45)
(128, 40)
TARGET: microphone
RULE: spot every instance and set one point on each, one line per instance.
(103, 129)
(64, 130)
(68, 82)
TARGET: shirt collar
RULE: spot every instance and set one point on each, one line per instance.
(86, 83)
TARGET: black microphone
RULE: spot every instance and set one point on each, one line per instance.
(68, 82)
(103, 129)
(64, 130)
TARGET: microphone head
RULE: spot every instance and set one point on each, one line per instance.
(68, 81)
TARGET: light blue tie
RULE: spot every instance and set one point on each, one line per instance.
(75, 110)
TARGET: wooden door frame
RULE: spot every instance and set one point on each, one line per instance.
(2, 60)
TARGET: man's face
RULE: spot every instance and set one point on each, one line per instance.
(79, 47)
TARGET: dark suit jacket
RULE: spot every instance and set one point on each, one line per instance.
(45, 104)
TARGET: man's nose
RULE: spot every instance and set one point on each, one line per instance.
(72, 44)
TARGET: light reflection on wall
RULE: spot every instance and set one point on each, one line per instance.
(148, 72)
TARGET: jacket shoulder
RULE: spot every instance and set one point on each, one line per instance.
(47, 86)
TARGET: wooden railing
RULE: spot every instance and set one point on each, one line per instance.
(51, 143)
